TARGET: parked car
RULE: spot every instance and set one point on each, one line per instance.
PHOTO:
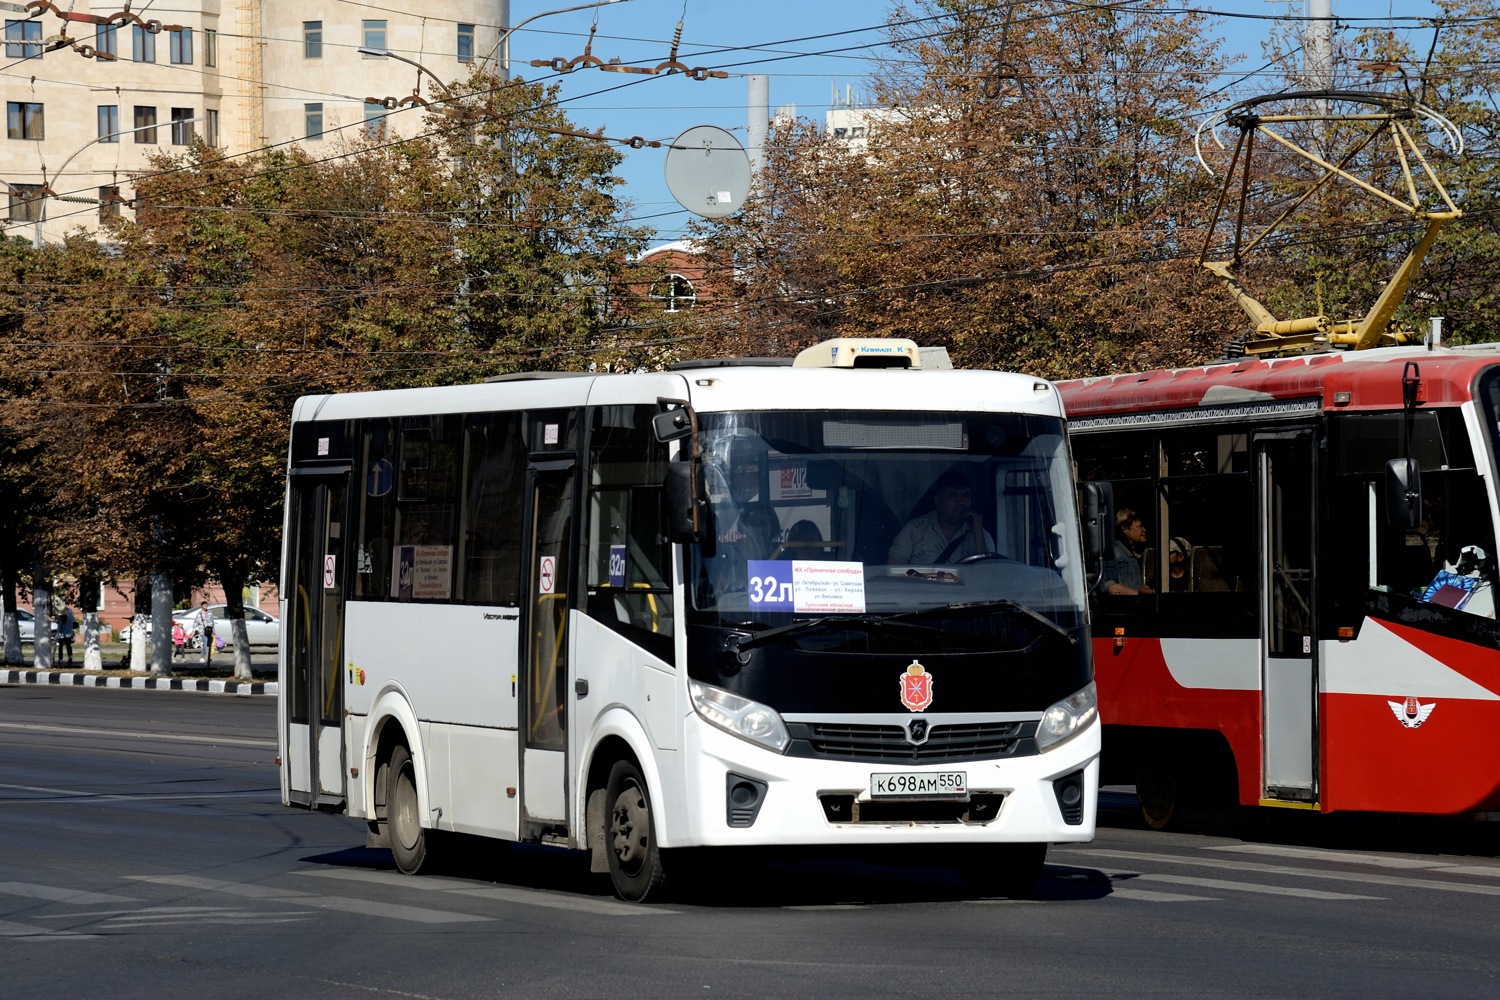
(260, 628)
(26, 622)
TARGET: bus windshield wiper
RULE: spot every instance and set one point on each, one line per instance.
(873, 623)
(1003, 604)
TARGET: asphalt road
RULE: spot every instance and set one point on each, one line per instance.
(144, 853)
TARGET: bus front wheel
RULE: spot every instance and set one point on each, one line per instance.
(410, 844)
(634, 859)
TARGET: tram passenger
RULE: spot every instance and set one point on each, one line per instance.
(1122, 572)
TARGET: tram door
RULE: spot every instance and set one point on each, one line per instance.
(550, 546)
(1289, 664)
(313, 630)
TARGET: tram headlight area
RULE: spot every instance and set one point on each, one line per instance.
(749, 720)
(1067, 718)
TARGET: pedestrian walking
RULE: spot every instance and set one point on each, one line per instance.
(65, 627)
(203, 627)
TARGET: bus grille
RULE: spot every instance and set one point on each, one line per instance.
(966, 741)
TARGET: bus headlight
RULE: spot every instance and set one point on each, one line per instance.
(1068, 717)
(749, 720)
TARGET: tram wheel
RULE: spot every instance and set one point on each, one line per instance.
(411, 845)
(635, 865)
(1159, 791)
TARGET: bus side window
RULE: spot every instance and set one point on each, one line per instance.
(629, 559)
(493, 494)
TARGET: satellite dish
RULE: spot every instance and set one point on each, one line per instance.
(708, 172)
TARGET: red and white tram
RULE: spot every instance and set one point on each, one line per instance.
(1312, 621)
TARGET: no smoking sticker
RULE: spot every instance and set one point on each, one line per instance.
(547, 574)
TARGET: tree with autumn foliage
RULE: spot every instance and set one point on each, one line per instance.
(154, 375)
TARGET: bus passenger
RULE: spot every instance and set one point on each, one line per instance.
(1122, 573)
(949, 532)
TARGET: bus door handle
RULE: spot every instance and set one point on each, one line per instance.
(581, 687)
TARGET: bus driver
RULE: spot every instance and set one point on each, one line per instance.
(949, 532)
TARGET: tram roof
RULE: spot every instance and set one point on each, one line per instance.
(1371, 379)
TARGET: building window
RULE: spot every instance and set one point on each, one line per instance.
(210, 47)
(27, 203)
(109, 123)
(23, 39)
(674, 292)
(312, 117)
(180, 46)
(24, 120)
(142, 46)
(182, 126)
(312, 39)
(145, 124)
(465, 43)
(374, 121)
(374, 36)
(211, 127)
(107, 42)
(109, 202)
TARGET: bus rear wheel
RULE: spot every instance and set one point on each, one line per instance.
(634, 859)
(411, 845)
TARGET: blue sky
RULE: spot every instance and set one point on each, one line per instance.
(806, 47)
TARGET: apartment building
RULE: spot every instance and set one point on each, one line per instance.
(242, 75)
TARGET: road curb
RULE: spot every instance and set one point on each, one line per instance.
(74, 679)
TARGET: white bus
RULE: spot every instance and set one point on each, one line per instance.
(706, 607)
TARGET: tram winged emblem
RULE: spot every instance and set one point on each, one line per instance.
(916, 687)
(1411, 713)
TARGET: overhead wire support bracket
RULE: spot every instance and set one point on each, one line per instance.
(1392, 115)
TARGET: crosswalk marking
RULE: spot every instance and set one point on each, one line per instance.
(12, 931)
(1152, 896)
(1269, 890)
(504, 894)
(1384, 881)
(57, 894)
(1353, 858)
(367, 907)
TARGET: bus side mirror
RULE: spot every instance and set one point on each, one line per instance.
(1096, 508)
(688, 516)
(1403, 493)
(672, 425)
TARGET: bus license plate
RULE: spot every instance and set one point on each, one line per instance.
(906, 785)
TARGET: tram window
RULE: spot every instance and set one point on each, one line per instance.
(629, 563)
(1206, 453)
(494, 490)
(1112, 457)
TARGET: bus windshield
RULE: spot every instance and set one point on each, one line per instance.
(880, 513)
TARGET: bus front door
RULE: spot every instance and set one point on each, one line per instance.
(549, 561)
(1289, 666)
(312, 697)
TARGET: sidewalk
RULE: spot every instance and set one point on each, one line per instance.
(189, 675)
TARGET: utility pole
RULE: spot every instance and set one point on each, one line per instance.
(758, 121)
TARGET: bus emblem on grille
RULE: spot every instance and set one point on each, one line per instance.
(916, 732)
(916, 687)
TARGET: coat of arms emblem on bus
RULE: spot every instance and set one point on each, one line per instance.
(1411, 713)
(916, 687)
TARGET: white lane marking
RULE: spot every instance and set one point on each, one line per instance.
(1152, 896)
(1384, 881)
(68, 795)
(505, 894)
(34, 727)
(1269, 890)
(1354, 858)
(57, 894)
(25, 932)
(374, 908)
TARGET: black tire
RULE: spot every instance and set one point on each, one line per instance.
(1159, 790)
(635, 865)
(411, 845)
(1009, 871)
